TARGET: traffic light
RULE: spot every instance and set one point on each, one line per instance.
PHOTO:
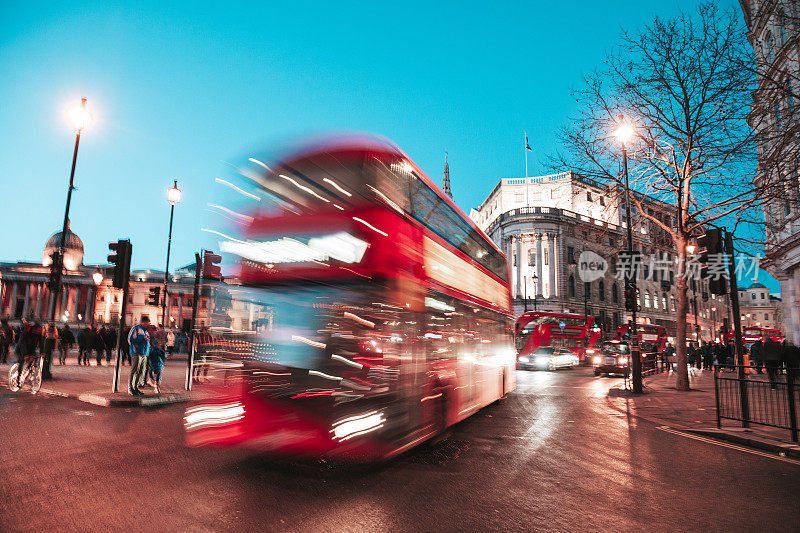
(55, 271)
(120, 262)
(211, 268)
(153, 298)
(712, 260)
(631, 300)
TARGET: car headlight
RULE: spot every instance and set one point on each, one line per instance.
(590, 351)
(622, 360)
(523, 359)
(540, 360)
(597, 360)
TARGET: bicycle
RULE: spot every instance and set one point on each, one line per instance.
(33, 365)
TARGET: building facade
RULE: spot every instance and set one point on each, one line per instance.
(760, 308)
(773, 31)
(547, 224)
(88, 298)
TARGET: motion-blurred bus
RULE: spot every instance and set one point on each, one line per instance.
(538, 329)
(370, 312)
(652, 338)
(751, 334)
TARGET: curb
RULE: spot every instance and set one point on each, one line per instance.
(105, 399)
(752, 441)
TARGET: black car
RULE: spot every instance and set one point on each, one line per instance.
(614, 358)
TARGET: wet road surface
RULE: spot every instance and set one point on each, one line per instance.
(551, 456)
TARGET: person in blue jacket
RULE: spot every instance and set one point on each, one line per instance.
(139, 342)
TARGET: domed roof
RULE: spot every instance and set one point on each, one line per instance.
(756, 286)
(73, 249)
(72, 242)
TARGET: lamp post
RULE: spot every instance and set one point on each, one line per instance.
(714, 322)
(623, 133)
(97, 277)
(174, 196)
(535, 289)
(80, 118)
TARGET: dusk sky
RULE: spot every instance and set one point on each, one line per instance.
(178, 90)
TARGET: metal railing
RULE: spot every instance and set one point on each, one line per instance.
(769, 399)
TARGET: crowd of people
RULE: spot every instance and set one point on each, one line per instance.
(31, 337)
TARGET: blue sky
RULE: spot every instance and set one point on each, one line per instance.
(180, 88)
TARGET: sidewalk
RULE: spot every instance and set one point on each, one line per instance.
(93, 384)
(695, 411)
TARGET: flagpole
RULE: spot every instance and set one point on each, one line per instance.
(525, 149)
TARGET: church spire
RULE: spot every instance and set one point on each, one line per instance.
(446, 177)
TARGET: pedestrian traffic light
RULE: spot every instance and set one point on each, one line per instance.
(120, 262)
(55, 271)
(211, 269)
(713, 263)
(153, 298)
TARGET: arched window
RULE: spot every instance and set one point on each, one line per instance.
(647, 299)
(655, 301)
(614, 294)
(672, 302)
(664, 301)
(571, 286)
(602, 290)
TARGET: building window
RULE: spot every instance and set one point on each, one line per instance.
(614, 293)
(752, 296)
(546, 257)
(601, 288)
(587, 290)
(532, 258)
(202, 304)
(762, 295)
(664, 301)
(766, 316)
(571, 286)
(655, 301)
(647, 299)
(672, 302)
(603, 201)
(588, 196)
(570, 255)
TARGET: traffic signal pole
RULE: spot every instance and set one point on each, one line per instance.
(737, 327)
(121, 280)
(197, 274)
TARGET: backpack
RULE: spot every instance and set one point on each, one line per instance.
(139, 339)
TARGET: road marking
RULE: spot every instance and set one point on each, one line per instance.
(709, 440)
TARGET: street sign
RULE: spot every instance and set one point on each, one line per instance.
(562, 325)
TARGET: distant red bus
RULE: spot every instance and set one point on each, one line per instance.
(652, 338)
(751, 334)
(536, 329)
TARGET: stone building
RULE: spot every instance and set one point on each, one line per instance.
(773, 32)
(760, 308)
(24, 291)
(545, 223)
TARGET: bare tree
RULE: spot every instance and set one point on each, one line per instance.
(680, 83)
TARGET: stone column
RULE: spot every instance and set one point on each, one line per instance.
(36, 313)
(540, 281)
(26, 304)
(64, 300)
(89, 311)
(179, 320)
(51, 301)
(12, 302)
(555, 262)
(76, 302)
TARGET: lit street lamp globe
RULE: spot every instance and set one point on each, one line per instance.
(79, 116)
(624, 131)
(98, 278)
(174, 194)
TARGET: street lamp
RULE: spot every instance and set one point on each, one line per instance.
(80, 118)
(535, 289)
(714, 321)
(97, 277)
(174, 196)
(624, 133)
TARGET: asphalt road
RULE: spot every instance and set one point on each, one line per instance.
(551, 456)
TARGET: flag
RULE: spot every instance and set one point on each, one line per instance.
(527, 144)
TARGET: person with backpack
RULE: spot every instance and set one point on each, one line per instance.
(6, 339)
(50, 343)
(67, 340)
(139, 342)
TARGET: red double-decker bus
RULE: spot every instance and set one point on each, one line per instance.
(751, 334)
(537, 329)
(652, 338)
(371, 312)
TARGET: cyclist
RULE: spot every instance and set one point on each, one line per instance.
(30, 338)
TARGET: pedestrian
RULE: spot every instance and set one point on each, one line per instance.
(669, 352)
(708, 356)
(28, 341)
(110, 340)
(85, 342)
(772, 360)
(98, 345)
(158, 340)
(691, 354)
(50, 341)
(756, 359)
(6, 339)
(65, 344)
(170, 342)
(139, 342)
(203, 341)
